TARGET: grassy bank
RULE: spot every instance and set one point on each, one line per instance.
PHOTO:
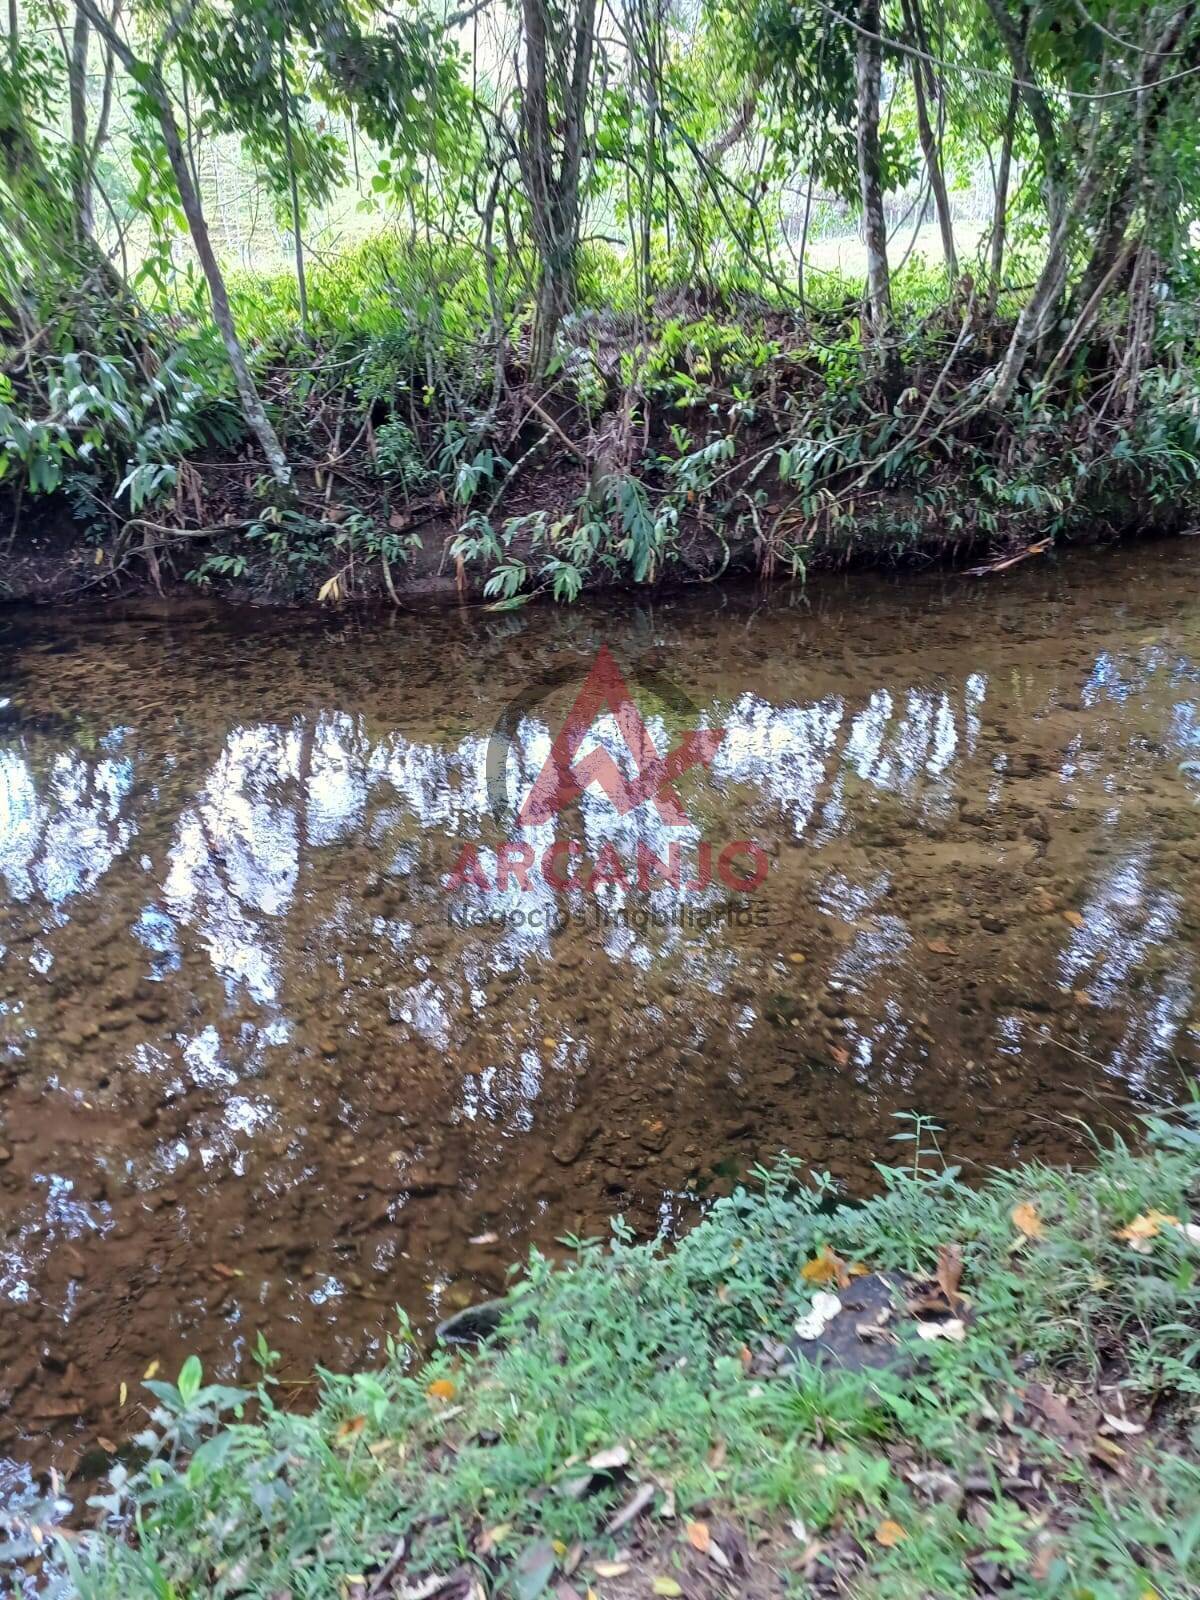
(636, 1433)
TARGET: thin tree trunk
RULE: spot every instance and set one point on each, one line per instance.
(869, 73)
(1000, 208)
(929, 140)
(297, 238)
(1012, 33)
(81, 179)
(14, 34)
(552, 186)
(189, 198)
(1151, 105)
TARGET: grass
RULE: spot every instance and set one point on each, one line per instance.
(990, 1469)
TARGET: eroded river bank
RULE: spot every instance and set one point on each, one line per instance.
(263, 1066)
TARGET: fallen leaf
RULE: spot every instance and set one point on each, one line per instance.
(484, 1238)
(150, 1371)
(222, 1271)
(951, 1329)
(610, 1569)
(494, 1536)
(441, 1389)
(1027, 1220)
(716, 1456)
(938, 947)
(106, 1445)
(666, 1586)
(949, 1272)
(841, 1057)
(609, 1460)
(797, 958)
(889, 1534)
(698, 1536)
(533, 1570)
(1122, 1424)
(1108, 1451)
(1145, 1227)
(827, 1267)
(123, 1395)
(718, 1557)
(798, 1531)
(746, 1357)
(1074, 918)
(351, 1428)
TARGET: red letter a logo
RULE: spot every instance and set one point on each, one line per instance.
(560, 781)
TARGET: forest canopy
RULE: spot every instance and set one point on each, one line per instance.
(564, 289)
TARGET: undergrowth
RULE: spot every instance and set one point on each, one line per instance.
(716, 433)
(953, 1478)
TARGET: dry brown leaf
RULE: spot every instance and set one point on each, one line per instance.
(827, 1267)
(441, 1389)
(609, 1460)
(351, 1428)
(949, 1272)
(889, 1533)
(494, 1536)
(1122, 1424)
(1145, 1227)
(1108, 1451)
(797, 958)
(222, 1271)
(698, 1536)
(610, 1569)
(1027, 1220)
(1075, 918)
(841, 1057)
(938, 947)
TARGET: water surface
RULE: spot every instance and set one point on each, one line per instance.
(260, 1068)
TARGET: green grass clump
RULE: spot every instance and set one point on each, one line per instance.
(646, 1347)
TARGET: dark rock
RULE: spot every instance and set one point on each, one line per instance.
(861, 1336)
(474, 1325)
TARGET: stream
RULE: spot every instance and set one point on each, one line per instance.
(299, 1024)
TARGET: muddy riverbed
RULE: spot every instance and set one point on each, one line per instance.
(267, 1062)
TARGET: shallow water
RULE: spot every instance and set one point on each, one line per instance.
(260, 1067)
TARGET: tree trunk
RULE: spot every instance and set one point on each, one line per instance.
(558, 57)
(870, 176)
(252, 406)
(81, 176)
(189, 198)
(923, 89)
(297, 238)
(1152, 102)
(1000, 207)
(1012, 34)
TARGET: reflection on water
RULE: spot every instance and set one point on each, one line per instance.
(261, 1068)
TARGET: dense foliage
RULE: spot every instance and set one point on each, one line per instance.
(589, 324)
(1048, 1451)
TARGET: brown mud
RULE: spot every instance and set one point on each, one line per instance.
(261, 1069)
